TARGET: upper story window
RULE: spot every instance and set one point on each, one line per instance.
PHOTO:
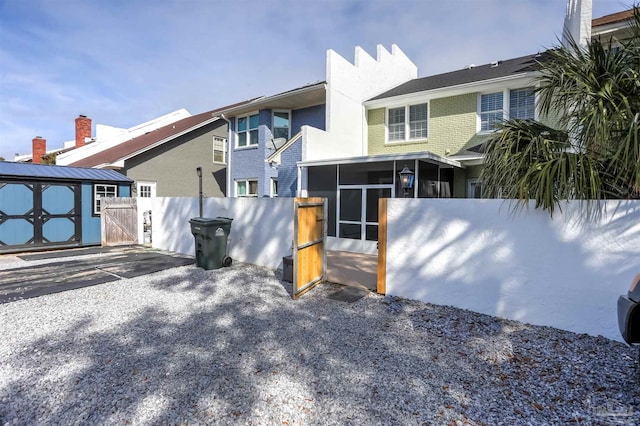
(492, 107)
(522, 103)
(491, 111)
(247, 129)
(102, 191)
(281, 125)
(219, 150)
(407, 122)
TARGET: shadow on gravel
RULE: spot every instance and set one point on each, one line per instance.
(245, 353)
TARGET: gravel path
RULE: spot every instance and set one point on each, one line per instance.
(188, 346)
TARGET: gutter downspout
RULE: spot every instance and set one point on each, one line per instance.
(228, 183)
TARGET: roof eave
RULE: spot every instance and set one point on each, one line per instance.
(253, 105)
(424, 155)
(451, 90)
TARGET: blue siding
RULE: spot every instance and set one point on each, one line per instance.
(90, 223)
(313, 116)
(124, 191)
(249, 163)
(288, 170)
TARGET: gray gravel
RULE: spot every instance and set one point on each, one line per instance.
(188, 346)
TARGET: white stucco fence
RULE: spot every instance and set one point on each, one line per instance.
(261, 231)
(564, 272)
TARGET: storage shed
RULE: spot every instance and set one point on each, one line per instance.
(44, 206)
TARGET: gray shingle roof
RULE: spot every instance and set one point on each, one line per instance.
(46, 171)
(477, 73)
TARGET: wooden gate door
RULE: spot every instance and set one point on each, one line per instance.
(119, 222)
(309, 240)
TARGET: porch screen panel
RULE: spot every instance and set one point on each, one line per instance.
(322, 182)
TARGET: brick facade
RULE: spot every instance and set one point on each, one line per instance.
(451, 126)
(249, 163)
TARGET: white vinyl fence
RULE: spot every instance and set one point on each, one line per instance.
(565, 272)
(261, 231)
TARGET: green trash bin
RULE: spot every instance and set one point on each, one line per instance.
(211, 236)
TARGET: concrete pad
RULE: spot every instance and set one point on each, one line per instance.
(56, 276)
(354, 269)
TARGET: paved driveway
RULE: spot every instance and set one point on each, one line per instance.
(62, 270)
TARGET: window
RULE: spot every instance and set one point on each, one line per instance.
(247, 188)
(522, 103)
(102, 191)
(219, 150)
(491, 112)
(274, 187)
(281, 125)
(416, 125)
(396, 124)
(248, 130)
(146, 189)
(474, 188)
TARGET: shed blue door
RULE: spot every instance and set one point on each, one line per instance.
(39, 214)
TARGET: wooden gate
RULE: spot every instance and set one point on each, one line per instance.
(119, 221)
(309, 240)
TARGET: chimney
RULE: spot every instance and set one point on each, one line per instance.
(577, 22)
(83, 129)
(39, 149)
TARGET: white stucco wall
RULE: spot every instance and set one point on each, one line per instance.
(261, 231)
(348, 86)
(479, 255)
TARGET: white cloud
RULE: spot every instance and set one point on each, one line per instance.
(122, 63)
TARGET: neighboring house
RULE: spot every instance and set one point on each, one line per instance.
(107, 137)
(163, 162)
(269, 135)
(45, 206)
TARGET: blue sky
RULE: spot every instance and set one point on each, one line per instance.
(123, 62)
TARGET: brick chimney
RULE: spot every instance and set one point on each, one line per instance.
(83, 129)
(39, 149)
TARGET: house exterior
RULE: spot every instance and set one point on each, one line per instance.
(269, 135)
(46, 206)
(85, 145)
(163, 162)
(435, 126)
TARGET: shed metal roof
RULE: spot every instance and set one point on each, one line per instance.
(46, 171)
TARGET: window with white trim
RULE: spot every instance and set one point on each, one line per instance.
(219, 150)
(491, 111)
(102, 191)
(408, 122)
(146, 189)
(274, 188)
(247, 130)
(281, 125)
(522, 103)
(247, 188)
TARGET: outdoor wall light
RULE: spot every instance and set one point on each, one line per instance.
(406, 180)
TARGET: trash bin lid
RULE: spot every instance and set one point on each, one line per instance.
(224, 219)
(204, 221)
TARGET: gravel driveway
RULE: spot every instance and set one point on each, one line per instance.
(188, 346)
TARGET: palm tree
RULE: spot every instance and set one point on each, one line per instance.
(594, 151)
